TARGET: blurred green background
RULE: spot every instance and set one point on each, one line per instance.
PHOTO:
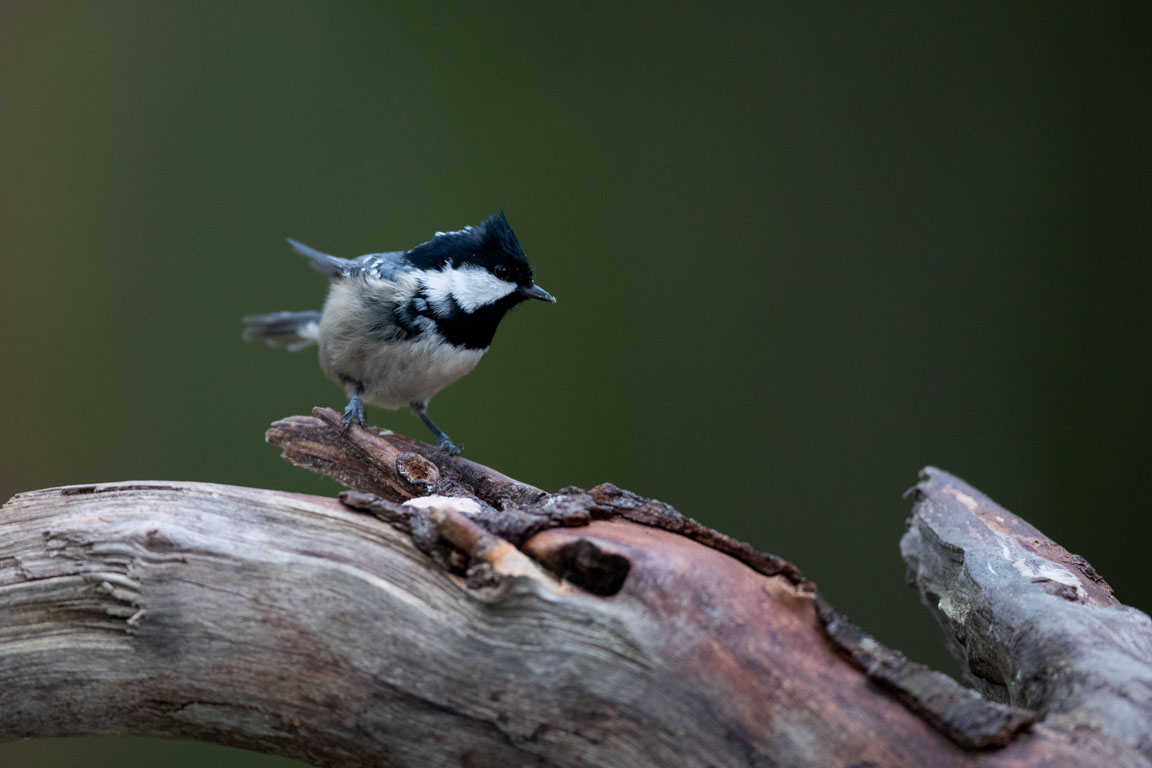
(800, 251)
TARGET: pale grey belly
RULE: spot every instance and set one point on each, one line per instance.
(399, 373)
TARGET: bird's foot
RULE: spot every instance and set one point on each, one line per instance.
(354, 412)
(420, 408)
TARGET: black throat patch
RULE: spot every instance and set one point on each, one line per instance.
(470, 330)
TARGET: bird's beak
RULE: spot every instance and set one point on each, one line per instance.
(536, 292)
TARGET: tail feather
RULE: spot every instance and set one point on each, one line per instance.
(291, 330)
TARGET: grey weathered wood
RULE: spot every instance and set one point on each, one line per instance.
(298, 626)
(1033, 624)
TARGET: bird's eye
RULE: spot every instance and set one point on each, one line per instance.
(501, 271)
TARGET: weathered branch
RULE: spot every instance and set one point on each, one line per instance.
(1033, 624)
(486, 623)
(392, 466)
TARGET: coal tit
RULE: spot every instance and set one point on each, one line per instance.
(398, 327)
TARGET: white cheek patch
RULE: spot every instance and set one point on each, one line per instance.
(471, 287)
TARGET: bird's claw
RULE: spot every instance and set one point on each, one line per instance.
(354, 412)
(446, 445)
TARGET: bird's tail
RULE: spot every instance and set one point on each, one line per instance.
(291, 330)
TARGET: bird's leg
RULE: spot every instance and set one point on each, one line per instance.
(354, 411)
(420, 408)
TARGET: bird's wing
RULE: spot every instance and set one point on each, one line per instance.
(379, 266)
(322, 262)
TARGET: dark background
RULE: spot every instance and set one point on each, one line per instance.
(800, 251)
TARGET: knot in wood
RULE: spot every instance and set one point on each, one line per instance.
(417, 470)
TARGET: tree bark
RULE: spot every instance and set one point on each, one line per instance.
(487, 623)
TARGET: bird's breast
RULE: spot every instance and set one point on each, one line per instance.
(396, 374)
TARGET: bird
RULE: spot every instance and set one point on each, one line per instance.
(397, 327)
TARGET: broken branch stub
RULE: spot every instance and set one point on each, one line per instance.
(389, 465)
(1033, 624)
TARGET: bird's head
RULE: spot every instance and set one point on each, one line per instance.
(477, 267)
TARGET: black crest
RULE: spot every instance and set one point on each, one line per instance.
(485, 245)
(498, 237)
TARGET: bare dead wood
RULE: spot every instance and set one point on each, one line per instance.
(487, 625)
(1033, 624)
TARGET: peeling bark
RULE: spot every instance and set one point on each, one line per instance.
(486, 623)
